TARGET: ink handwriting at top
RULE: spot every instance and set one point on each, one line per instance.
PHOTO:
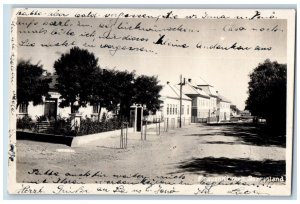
(90, 14)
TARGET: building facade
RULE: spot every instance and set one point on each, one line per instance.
(170, 107)
(200, 102)
(213, 101)
(223, 109)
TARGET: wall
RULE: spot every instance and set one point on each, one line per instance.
(173, 114)
(224, 111)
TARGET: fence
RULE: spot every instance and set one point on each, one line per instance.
(150, 129)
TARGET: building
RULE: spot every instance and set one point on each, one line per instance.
(213, 107)
(170, 97)
(223, 108)
(234, 110)
(200, 102)
(50, 109)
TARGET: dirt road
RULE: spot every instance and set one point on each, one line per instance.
(178, 156)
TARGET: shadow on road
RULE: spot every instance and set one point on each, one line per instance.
(209, 166)
(249, 134)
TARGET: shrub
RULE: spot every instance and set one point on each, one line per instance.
(25, 123)
(87, 126)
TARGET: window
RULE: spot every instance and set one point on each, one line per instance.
(176, 109)
(182, 109)
(168, 109)
(23, 108)
(173, 109)
(188, 110)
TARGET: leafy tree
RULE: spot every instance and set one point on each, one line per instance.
(104, 90)
(123, 91)
(267, 93)
(147, 92)
(31, 84)
(77, 71)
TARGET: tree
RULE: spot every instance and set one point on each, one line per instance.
(123, 91)
(147, 92)
(31, 84)
(267, 93)
(104, 90)
(77, 71)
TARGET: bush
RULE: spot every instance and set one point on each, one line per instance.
(61, 126)
(87, 126)
(25, 123)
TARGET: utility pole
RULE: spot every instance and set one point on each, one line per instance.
(180, 99)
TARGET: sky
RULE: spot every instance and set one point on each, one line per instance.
(227, 70)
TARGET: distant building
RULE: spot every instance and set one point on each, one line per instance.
(170, 97)
(234, 110)
(245, 113)
(223, 109)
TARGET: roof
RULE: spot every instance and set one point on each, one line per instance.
(170, 91)
(224, 99)
(208, 89)
(202, 82)
(190, 90)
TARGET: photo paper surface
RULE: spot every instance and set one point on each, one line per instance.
(151, 101)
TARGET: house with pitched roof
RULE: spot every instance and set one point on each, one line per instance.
(170, 97)
(210, 90)
(200, 101)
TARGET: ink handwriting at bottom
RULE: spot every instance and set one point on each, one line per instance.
(162, 190)
(204, 190)
(28, 189)
(244, 191)
(61, 189)
(120, 189)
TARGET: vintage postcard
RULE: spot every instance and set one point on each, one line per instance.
(151, 101)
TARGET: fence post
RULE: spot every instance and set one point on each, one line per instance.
(126, 134)
(146, 130)
(121, 136)
(159, 126)
(142, 131)
(156, 130)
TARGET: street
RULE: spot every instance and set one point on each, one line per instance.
(179, 156)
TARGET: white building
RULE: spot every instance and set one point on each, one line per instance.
(213, 107)
(223, 111)
(170, 111)
(200, 102)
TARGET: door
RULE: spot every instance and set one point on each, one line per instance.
(50, 109)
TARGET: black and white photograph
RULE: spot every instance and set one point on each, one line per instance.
(151, 101)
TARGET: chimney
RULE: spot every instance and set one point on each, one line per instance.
(168, 82)
(189, 80)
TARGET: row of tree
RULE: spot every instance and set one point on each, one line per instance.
(80, 81)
